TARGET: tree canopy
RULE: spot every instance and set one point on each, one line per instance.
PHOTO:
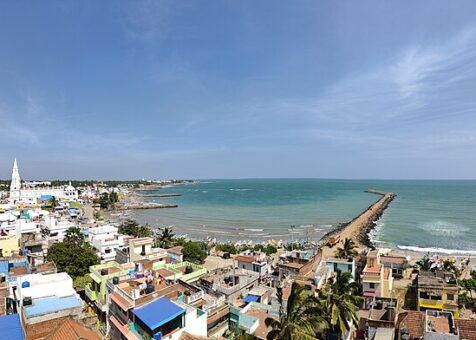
(73, 256)
(195, 251)
(131, 227)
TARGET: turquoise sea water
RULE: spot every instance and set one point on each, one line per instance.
(426, 215)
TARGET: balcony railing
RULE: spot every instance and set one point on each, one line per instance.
(91, 294)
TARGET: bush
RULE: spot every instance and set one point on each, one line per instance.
(226, 247)
(195, 251)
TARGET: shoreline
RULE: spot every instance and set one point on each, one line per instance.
(359, 227)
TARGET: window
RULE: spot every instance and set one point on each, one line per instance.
(450, 297)
(372, 285)
(107, 251)
(424, 295)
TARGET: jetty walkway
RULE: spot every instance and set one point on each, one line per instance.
(359, 227)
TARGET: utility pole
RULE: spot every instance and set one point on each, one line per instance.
(292, 237)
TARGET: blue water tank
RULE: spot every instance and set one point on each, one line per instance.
(25, 284)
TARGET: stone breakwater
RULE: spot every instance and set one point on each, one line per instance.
(358, 228)
(363, 236)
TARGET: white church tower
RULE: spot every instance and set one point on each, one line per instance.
(15, 185)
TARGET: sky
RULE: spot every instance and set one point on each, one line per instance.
(238, 89)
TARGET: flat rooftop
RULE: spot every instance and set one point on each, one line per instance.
(440, 322)
(383, 309)
(51, 304)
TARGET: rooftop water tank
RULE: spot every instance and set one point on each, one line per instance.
(25, 284)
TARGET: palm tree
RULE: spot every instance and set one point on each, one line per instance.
(348, 249)
(424, 263)
(300, 318)
(165, 238)
(340, 300)
(53, 202)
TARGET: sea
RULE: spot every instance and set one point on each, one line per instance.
(427, 215)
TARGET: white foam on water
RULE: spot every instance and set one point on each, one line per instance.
(443, 228)
(252, 229)
(438, 250)
(240, 189)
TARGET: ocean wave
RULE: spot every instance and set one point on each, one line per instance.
(253, 229)
(443, 228)
(240, 189)
(438, 250)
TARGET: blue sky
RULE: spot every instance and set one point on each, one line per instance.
(229, 89)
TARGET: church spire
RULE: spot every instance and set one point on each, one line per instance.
(15, 185)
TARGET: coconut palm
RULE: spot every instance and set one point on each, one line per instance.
(424, 263)
(299, 319)
(340, 301)
(53, 202)
(347, 250)
(165, 237)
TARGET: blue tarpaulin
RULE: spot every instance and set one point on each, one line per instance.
(10, 327)
(251, 298)
(51, 304)
(158, 313)
(46, 197)
(4, 267)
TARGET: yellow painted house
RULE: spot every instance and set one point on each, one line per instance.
(8, 245)
(437, 290)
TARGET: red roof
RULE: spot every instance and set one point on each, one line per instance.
(467, 328)
(246, 259)
(413, 322)
(374, 269)
(72, 330)
(120, 301)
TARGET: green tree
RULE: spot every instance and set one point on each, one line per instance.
(81, 282)
(299, 319)
(451, 267)
(165, 238)
(270, 249)
(340, 301)
(53, 202)
(195, 251)
(144, 231)
(129, 227)
(104, 201)
(226, 247)
(347, 250)
(74, 237)
(469, 285)
(424, 263)
(73, 255)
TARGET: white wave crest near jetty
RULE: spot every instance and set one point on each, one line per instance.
(438, 250)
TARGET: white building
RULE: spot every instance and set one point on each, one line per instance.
(254, 263)
(49, 297)
(106, 240)
(56, 228)
(29, 194)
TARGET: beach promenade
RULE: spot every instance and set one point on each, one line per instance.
(358, 228)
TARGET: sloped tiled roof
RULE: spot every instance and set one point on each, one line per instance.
(467, 328)
(71, 330)
(188, 336)
(413, 322)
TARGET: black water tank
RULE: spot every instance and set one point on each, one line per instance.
(103, 272)
(115, 280)
(27, 301)
(150, 288)
(188, 269)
